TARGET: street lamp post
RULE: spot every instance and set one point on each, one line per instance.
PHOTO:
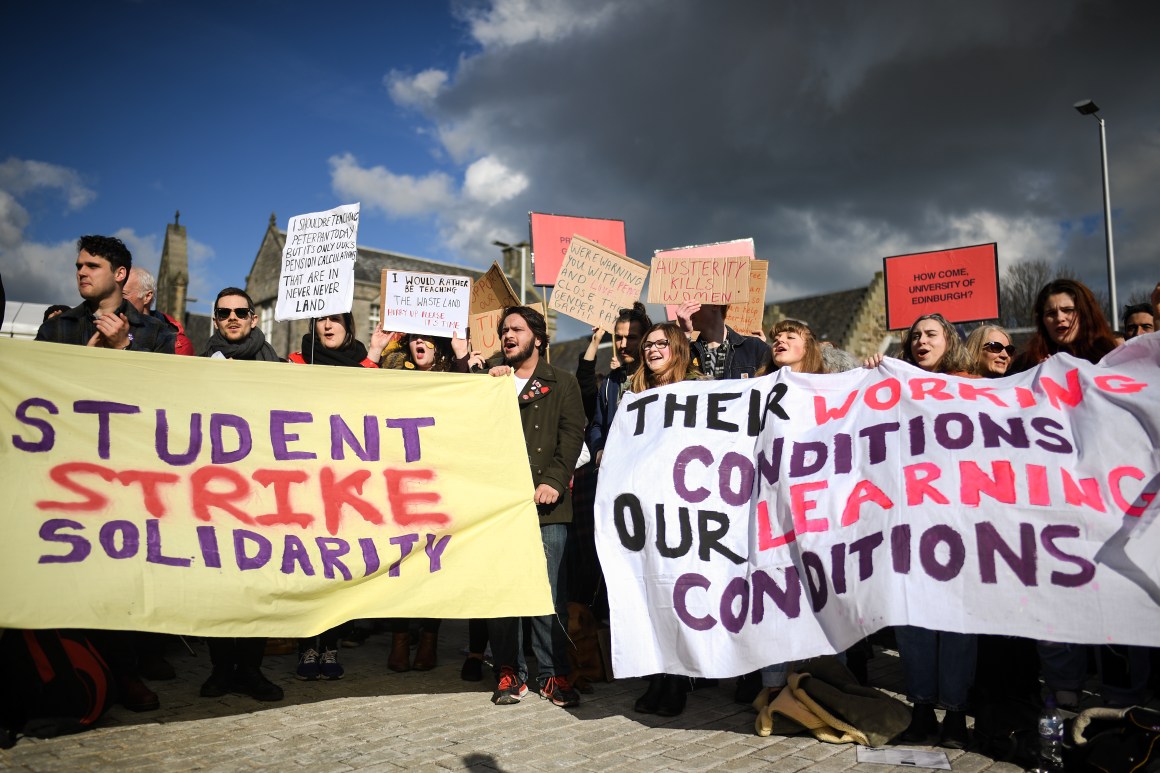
(1087, 107)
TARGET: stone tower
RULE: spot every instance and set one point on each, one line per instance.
(173, 273)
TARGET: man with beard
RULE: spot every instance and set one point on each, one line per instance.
(628, 330)
(140, 290)
(236, 335)
(237, 661)
(552, 416)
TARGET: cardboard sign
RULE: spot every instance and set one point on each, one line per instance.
(595, 283)
(317, 274)
(492, 291)
(734, 248)
(881, 497)
(484, 330)
(416, 302)
(962, 284)
(551, 235)
(746, 318)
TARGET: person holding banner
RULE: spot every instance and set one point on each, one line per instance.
(666, 359)
(552, 417)
(1067, 319)
(720, 351)
(989, 347)
(331, 341)
(939, 666)
(795, 347)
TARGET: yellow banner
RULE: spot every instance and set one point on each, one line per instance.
(224, 498)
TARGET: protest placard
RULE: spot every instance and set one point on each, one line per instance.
(595, 283)
(485, 330)
(746, 318)
(813, 510)
(253, 498)
(551, 235)
(962, 284)
(417, 302)
(317, 274)
(492, 291)
(706, 273)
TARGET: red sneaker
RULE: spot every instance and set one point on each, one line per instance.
(559, 691)
(510, 688)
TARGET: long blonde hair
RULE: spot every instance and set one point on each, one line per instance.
(678, 366)
(975, 341)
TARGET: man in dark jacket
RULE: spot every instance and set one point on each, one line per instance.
(236, 335)
(552, 415)
(105, 318)
(628, 331)
(720, 351)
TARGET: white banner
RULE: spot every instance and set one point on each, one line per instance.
(745, 523)
(417, 302)
(317, 277)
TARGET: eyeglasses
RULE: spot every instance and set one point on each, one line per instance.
(994, 347)
(649, 345)
(224, 313)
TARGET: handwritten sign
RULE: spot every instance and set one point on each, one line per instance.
(492, 291)
(961, 284)
(746, 318)
(551, 235)
(317, 274)
(730, 249)
(256, 498)
(813, 510)
(417, 302)
(485, 330)
(595, 283)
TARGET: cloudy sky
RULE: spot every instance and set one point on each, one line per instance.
(833, 133)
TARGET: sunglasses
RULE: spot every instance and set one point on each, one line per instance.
(224, 314)
(994, 347)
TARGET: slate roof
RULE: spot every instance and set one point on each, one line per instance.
(566, 354)
(830, 315)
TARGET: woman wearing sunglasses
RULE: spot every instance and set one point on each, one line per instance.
(989, 347)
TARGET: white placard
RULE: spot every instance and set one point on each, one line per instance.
(416, 302)
(743, 523)
(317, 277)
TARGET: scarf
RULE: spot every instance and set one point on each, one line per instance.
(350, 357)
(253, 347)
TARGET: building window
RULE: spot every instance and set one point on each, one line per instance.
(266, 319)
(375, 317)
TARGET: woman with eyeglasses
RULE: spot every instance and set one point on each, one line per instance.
(1067, 319)
(665, 359)
(989, 347)
(939, 666)
(331, 341)
(427, 354)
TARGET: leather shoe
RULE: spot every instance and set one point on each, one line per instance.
(400, 657)
(425, 657)
(252, 682)
(954, 730)
(218, 684)
(651, 700)
(923, 727)
(135, 696)
(673, 696)
(472, 670)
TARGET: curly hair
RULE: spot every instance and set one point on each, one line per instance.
(444, 354)
(953, 360)
(811, 361)
(110, 248)
(535, 322)
(1093, 339)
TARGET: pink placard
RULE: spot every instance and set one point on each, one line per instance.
(551, 235)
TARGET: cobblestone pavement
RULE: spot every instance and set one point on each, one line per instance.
(378, 720)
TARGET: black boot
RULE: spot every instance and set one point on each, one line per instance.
(651, 700)
(954, 730)
(923, 728)
(674, 693)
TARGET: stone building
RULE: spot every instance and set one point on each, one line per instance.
(854, 320)
(171, 296)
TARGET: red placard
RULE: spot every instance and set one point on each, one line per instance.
(551, 235)
(962, 284)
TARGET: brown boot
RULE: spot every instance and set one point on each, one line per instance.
(400, 657)
(425, 657)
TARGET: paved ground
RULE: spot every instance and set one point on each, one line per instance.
(375, 719)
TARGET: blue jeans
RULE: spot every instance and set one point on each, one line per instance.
(549, 636)
(939, 666)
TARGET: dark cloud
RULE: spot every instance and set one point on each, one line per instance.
(832, 133)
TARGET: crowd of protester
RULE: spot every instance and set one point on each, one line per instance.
(566, 421)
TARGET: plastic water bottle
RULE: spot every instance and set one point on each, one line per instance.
(1050, 738)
